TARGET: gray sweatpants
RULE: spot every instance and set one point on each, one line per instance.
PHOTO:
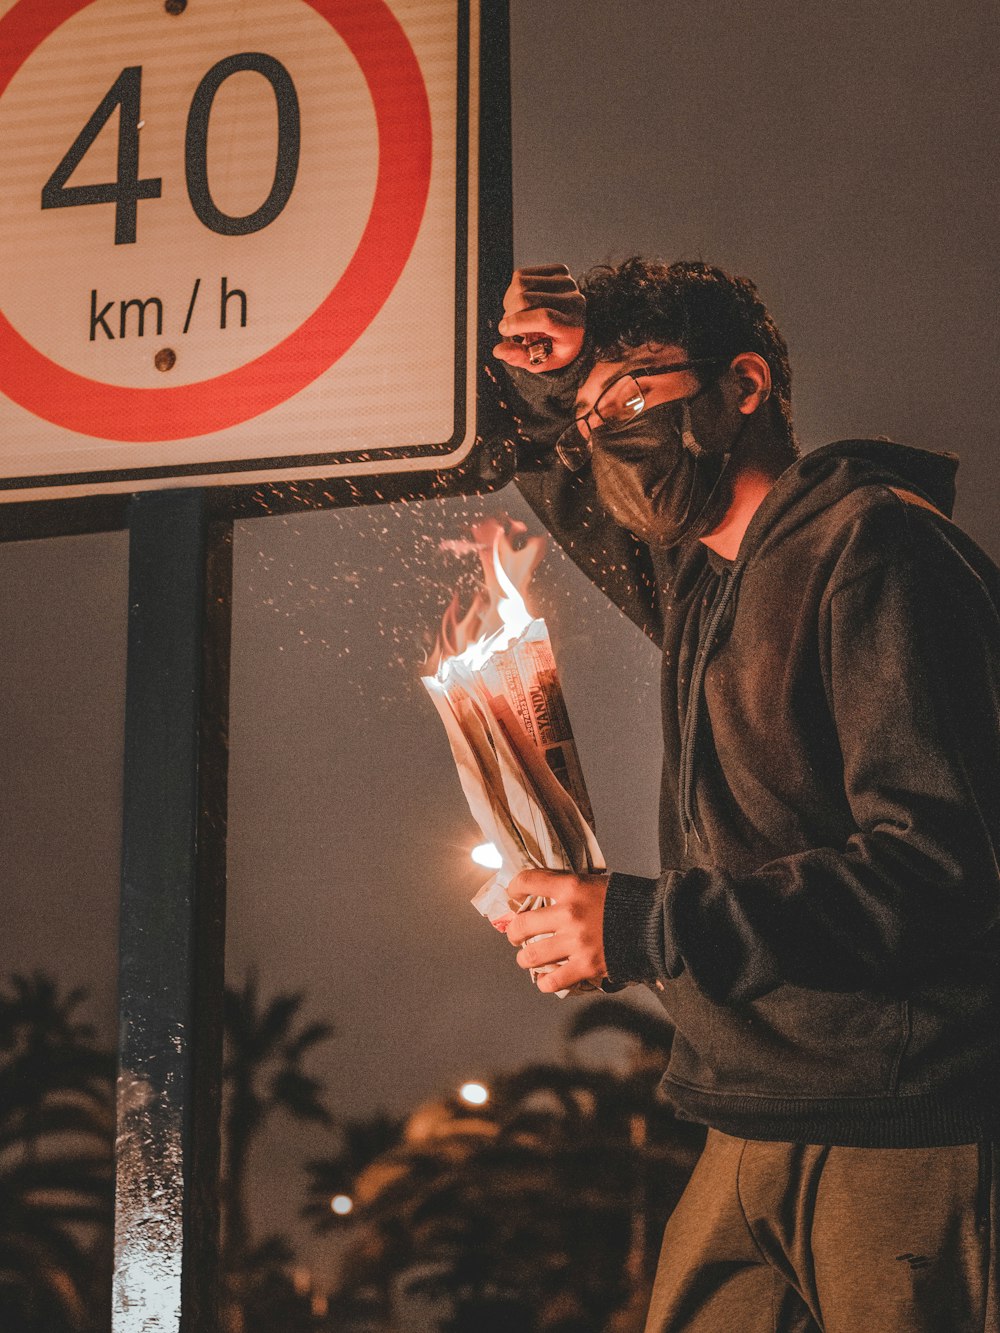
(787, 1238)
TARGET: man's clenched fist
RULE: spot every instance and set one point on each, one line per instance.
(541, 302)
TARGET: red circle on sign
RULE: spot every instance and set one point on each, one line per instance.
(112, 412)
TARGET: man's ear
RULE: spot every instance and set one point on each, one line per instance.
(752, 376)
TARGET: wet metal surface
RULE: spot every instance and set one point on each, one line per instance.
(148, 1210)
(172, 907)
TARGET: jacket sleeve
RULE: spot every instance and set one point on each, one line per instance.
(912, 645)
(566, 502)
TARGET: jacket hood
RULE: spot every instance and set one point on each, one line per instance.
(812, 484)
(825, 475)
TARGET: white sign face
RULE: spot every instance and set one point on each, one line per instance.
(239, 241)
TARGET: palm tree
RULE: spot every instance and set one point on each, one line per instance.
(36, 1013)
(540, 1211)
(515, 1215)
(56, 1164)
(46, 1050)
(262, 1075)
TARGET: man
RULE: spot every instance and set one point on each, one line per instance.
(824, 934)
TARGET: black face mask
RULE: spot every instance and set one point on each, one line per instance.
(656, 478)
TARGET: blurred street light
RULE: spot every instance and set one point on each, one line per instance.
(476, 1094)
(341, 1204)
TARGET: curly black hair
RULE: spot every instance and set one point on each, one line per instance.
(700, 308)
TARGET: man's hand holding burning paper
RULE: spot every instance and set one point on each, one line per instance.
(568, 935)
(497, 692)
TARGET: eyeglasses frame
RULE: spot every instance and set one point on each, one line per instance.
(571, 459)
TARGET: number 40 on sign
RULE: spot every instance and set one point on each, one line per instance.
(128, 188)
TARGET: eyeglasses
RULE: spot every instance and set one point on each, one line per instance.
(618, 403)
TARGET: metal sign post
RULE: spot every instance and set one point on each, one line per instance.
(172, 922)
(253, 247)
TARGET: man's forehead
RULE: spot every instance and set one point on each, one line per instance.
(604, 372)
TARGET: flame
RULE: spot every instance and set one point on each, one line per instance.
(512, 609)
(498, 613)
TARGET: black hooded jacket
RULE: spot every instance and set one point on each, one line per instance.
(825, 934)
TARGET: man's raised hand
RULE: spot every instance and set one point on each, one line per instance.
(542, 301)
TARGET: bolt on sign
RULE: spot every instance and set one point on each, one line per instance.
(240, 241)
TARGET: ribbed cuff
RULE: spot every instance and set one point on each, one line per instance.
(631, 918)
(549, 388)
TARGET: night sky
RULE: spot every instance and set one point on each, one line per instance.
(842, 156)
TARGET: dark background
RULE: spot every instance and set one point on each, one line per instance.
(841, 155)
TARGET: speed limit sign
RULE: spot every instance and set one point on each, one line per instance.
(240, 240)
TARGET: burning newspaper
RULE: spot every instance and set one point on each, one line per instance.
(496, 688)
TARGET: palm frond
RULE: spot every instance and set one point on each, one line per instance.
(300, 1094)
(311, 1035)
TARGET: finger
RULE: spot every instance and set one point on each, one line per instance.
(539, 319)
(519, 354)
(543, 951)
(563, 949)
(520, 887)
(538, 291)
(528, 271)
(536, 883)
(536, 941)
(515, 354)
(564, 977)
(543, 280)
(517, 906)
(527, 924)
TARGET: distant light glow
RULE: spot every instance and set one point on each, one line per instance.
(476, 1094)
(486, 854)
(341, 1204)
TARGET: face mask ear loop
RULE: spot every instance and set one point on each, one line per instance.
(696, 451)
(727, 458)
(688, 438)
